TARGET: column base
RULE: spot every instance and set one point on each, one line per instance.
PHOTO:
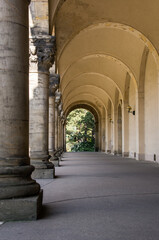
(56, 162)
(139, 156)
(21, 209)
(109, 151)
(125, 154)
(44, 168)
(43, 173)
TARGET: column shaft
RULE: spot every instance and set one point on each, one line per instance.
(41, 59)
(15, 169)
(39, 116)
(53, 86)
(59, 132)
(51, 125)
(56, 126)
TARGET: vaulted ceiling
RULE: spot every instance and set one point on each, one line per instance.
(99, 44)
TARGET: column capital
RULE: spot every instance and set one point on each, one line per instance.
(54, 84)
(60, 107)
(57, 97)
(41, 52)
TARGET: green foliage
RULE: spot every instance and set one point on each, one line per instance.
(80, 131)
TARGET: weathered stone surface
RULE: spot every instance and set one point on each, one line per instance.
(42, 53)
(42, 50)
(41, 173)
(19, 209)
(39, 17)
(56, 162)
(15, 169)
(53, 86)
(15, 181)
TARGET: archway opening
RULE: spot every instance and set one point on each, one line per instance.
(80, 131)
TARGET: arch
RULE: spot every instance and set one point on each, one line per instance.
(88, 99)
(92, 79)
(88, 107)
(94, 66)
(91, 109)
(124, 54)
(82, 90)
(116, 11)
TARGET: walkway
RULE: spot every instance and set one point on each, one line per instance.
(95, 197)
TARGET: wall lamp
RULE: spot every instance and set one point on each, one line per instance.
(129, 108)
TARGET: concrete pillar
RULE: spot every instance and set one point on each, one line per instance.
(17, 190)
(42, 50)
(54, 84)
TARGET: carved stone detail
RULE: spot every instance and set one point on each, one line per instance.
(42, 53)
(57, 97)
(60, 108)
(54, 84)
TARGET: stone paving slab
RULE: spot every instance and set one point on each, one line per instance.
(95, 196)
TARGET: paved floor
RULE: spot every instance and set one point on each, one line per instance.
(95, 197)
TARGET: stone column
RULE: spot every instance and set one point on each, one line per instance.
(56, 123)
(109, 121)
(62, 128)
(103, 134)
(42, 50)
(19, 195)
(59, 133)
(51, 123)
(57, 102)
(54, 84)
(64, 136)
(55, 158)
(96, 137)
(59, 124)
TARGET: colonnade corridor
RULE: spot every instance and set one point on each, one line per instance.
(95, 196)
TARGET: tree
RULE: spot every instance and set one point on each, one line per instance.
(80, 131)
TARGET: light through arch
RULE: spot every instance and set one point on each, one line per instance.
(80, 131)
